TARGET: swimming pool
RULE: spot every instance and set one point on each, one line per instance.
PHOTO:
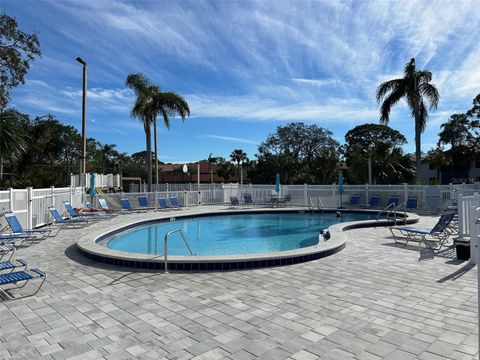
(142, 245)
(236, 234)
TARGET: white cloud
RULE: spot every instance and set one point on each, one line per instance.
(231, 139)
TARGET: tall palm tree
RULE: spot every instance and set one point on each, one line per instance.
(238, 156)
(149, 104)
(12, 138)
(415, 87)
(167, 104)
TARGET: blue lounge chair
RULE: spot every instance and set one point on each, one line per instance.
(234, 202)
(6, 249)
(411, 204)
(143, 202)
(438, 235)
(374, 201)
(248, 200)
(393, 200)
(354, 200)
(72, 213)
(162, 204)
(11, 240)
(128, 207)
(17, 229)
(13, 265)
(58, 219)
(18, 280)
(285, 200)
(174, 202)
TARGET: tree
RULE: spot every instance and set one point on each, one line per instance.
(107, 153)
(300, 153)
(17, 50)
(415, 87)
(13, 139)
(239, 157)
(383, 145)
(439, 159)
(212, 160)
(167, 104)
(226, 170)
(151, 102)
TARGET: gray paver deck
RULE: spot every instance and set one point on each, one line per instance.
(372, 300)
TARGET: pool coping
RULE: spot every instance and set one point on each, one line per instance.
(89, 246)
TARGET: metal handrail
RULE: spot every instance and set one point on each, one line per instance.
(391, 205)
(312, 207)
(320, 204)
(165, 246)
(404, 211)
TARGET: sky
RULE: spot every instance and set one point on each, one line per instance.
(245, 67)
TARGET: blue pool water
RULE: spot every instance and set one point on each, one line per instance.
(232, 234)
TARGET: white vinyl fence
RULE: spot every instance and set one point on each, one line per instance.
(104, 181)
(431, 198)
(31, 205)
(466, 213)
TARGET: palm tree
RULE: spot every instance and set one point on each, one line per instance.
(415, 87)
(107, 152)
(12, 138)
(240, 157)
(149, 104)
(167, 104)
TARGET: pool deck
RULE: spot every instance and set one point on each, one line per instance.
(372, 300)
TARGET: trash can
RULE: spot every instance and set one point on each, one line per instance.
(463, 249)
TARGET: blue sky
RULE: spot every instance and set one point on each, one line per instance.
(245, 67)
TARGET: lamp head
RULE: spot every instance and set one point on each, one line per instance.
(81, 61)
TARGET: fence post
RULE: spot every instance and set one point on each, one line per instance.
(52, 193)
(29, 208)
(70, 197)
(10, 195)
(334, 198)
(305, 195)
(168, 197)
(405, 192)
(367, 190)
(473, 234)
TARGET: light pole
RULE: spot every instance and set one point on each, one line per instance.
(83, 159)
(370, 167)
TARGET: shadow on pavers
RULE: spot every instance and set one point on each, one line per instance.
(455, 275)
(73, 254)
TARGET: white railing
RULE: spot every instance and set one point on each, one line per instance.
(432, 198)
(30, 205)
(104, 181)
(466, 207)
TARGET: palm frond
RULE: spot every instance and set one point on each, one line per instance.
(430, 92)
(424, 76)
(138, 82)
(393, 98)
(388, 86)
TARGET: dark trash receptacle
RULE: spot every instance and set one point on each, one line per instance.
(463, 250)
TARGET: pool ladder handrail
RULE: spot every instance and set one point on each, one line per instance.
(165, 246)
(397, 208)
(319, 204)
(384, 210)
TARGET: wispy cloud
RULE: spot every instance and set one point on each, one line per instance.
(231, 139)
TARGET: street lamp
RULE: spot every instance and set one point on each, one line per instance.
(83, 159)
